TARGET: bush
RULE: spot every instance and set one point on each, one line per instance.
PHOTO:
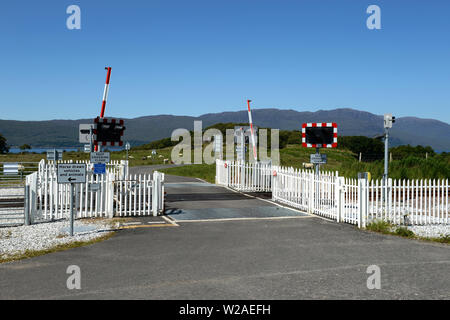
(3, 146)
(370, 148)
(444, 239)
(402, 152)
(387, 228)
(380, 226)
(25, 147)
(404, 232)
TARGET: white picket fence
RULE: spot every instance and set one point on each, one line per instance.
(242, 176)
(415, 202)
(105, 195)
(327, 195)
(353, 201)
(139, 195)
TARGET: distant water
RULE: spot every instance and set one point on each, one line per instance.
(41, 150)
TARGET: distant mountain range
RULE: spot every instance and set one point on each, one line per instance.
(64, 133)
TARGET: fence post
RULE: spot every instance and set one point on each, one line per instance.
(123, 171)
(360, 213)
(161, 194)
(311, 193)
(274, 181)
(228, 172)
(32, 183)
(110, 187)
(155, 187)
(338, 197)
(27, 205)
(217, 172)
(362, 200)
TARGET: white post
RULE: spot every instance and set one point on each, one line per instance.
(274, 182)
(111, 195)
(155, 187)
(311, 193)
(362, 197)
(337, 196)
(359, 203)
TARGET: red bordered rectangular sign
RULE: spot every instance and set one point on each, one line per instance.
(108, 131)
(319, 135)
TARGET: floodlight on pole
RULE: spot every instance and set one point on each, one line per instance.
(127, 147)
(388, 121)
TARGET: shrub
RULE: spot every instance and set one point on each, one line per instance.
(404, 232)
(380, 226)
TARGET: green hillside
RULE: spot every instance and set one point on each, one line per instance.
(142, 130)
(346, 163)
(407, 162)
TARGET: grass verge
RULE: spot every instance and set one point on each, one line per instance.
(61, 247)
(206, 172)
(392, 229)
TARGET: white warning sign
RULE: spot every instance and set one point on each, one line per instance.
(71, 173)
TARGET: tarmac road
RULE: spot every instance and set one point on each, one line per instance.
(226, 245)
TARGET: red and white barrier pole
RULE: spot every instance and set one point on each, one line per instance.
(105, 92)
(105, 95)
(251, 128)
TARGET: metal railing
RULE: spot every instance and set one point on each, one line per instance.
(12, 174)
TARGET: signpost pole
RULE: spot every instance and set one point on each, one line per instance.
(386, 151)
(386, 168)
(316, 199)
(317, 165)
(90, 139)
(71, 209)
(242, 137)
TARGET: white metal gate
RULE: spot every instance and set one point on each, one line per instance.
(107, 195)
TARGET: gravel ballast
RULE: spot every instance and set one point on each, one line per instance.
(42, 236)
(431, 231)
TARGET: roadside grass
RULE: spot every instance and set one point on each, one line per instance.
(205, 172)
(385, 227)
(381, 226)
(112, 222)
(293, 155)
(61, 247)
(136, 157)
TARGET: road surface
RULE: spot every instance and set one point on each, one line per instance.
(224, 245)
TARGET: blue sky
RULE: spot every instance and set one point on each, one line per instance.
(195, 57)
